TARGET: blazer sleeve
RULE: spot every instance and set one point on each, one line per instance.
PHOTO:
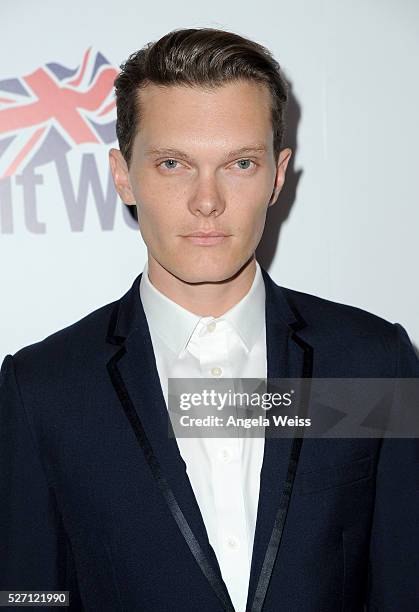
(35, 553)
(393, 577)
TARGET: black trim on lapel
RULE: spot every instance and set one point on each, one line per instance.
(133, 372)
(288, 356)
(195, 548)
(134, 375)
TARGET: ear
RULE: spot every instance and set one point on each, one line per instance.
(281, 168)
(120, 175)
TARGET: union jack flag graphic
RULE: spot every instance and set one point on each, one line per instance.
(76, 105)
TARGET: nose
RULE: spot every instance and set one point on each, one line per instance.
(206, 198)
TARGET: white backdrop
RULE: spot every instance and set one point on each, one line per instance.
(348, 219)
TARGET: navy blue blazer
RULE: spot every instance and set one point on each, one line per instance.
(95, 498)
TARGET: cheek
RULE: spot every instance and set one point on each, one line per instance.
(249, 214)
(157, 220)
(154, 216)
(251, 201)
(158, 201)
(151, 185)
(252, 227)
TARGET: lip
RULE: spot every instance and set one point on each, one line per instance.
(206, 239)
(200, 234)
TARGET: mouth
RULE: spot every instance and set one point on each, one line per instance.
(207, 238)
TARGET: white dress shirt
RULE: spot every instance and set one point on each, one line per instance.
(224, 472)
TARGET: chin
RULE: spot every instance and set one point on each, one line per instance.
(215, 273)
(194, 276)
(196, 273)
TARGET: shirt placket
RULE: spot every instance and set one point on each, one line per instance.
(227, 478)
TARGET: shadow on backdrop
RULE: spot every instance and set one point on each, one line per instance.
(280, 211)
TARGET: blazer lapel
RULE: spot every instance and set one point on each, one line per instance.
(132, 368)
(288, 356)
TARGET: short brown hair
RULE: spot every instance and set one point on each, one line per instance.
(196, 57)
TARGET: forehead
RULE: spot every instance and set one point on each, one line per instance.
(240, 109)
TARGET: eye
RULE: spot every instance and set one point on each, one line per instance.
(169, 164)
(244, 164)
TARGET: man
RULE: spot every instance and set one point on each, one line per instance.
(97, 498)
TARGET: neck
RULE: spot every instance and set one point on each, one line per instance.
(211, 299)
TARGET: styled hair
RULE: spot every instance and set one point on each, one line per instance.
(205, 57)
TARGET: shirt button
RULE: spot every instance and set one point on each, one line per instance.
(211, 326)
(225, 455)
(233, 543)
(216, 371)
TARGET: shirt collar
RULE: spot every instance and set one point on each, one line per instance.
(175, 325)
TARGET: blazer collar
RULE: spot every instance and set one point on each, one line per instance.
(128, 314)
(132, 368)
(246, 316)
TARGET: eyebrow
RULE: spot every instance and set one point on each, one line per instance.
(246, 150)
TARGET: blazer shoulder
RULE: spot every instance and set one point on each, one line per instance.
(64, 355)
(337, 317)
(351, 338)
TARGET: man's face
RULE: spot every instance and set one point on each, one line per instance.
(202, 161)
